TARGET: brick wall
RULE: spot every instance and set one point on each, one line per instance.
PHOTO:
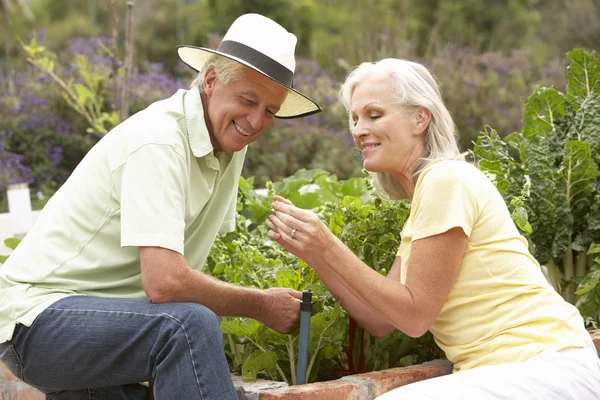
(355, 387)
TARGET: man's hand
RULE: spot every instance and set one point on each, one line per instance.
(166, 277)
(280, 309)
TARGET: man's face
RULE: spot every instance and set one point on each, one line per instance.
(239, 112)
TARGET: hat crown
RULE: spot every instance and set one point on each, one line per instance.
(265, 46)
(266, 36)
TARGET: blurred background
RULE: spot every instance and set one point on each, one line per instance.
(70, 70)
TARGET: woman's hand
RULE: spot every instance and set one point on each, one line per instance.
(299, 231)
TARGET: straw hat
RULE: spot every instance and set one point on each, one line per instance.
(265, 46)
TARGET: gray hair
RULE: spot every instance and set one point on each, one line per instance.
(414, 87)
(227, 70)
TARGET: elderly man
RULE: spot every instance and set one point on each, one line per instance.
(106, 290)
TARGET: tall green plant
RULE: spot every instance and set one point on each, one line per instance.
(559, 147)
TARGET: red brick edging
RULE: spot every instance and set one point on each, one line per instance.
(354, 387)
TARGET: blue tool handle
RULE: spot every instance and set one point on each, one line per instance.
(305, 313)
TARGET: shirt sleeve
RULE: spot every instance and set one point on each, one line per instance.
(443, 200)
(153, 198)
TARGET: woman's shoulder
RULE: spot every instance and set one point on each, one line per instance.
(453, 170)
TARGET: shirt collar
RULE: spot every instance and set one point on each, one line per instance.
(195, 124)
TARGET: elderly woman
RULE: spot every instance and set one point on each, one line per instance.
(462, 271)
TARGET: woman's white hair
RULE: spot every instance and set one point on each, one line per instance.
(226, 69)
(414, 87)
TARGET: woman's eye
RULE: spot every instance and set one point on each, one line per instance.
(374, 116)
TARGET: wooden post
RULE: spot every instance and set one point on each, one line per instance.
(128, 61)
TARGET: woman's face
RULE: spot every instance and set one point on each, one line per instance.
(389, 136)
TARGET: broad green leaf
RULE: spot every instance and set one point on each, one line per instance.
(543, 110)
(287, 278)
(579, 174)
(589, 303)
(305, 199)
(588, 283)
(12, 243)
(351, 202)
(583, 78)
(585, 125)
(548, 193)
(354, 187)
(493, 158)
(3, 259)
(259, 361)
(84, 95)
(240, 326)
(519, 215)
(594, 248)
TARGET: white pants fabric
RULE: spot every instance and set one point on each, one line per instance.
(567, 375)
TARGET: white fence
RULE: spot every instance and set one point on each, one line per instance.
(6, 230)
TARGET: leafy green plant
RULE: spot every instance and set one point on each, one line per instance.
(337, 346)
(85, 97)
(559, 185)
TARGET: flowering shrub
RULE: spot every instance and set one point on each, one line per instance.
(489, 88)
(11, 168)
(43, 139)
(479, 89)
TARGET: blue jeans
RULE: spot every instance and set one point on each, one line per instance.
(98, 348)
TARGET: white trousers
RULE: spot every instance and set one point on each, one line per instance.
(567, 375)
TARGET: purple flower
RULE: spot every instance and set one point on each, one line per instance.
(11, 168)
(56, 154)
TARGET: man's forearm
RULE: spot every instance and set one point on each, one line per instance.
(222, 298)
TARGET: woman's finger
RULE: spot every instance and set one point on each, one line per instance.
(302, 215)
(283, 199)
(288, 230)
(271, 225)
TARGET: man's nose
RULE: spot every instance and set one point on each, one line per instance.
(256, 118)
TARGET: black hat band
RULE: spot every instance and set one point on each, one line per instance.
(258, 60)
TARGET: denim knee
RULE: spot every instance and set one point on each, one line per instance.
(200, 319)
(10, 359)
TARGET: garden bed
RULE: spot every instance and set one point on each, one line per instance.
(356, 387)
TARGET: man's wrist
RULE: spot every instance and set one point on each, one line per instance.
(256, 304)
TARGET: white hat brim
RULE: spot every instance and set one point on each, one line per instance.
(295, 104)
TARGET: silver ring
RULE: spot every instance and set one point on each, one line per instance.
(293, 233)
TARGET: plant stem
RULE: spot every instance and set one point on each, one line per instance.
(276, 365)
(292, 360)
(112, 10)
(569, 290)
(361, 354)
(350, 351)
(552, 274)
(128, 58)
(317, 348)
(281, 373)
(237, 358)
(581, 265)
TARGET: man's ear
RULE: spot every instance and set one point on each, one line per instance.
(210, 78)
(422, 120)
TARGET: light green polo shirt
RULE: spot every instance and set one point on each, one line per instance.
(154, 180)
